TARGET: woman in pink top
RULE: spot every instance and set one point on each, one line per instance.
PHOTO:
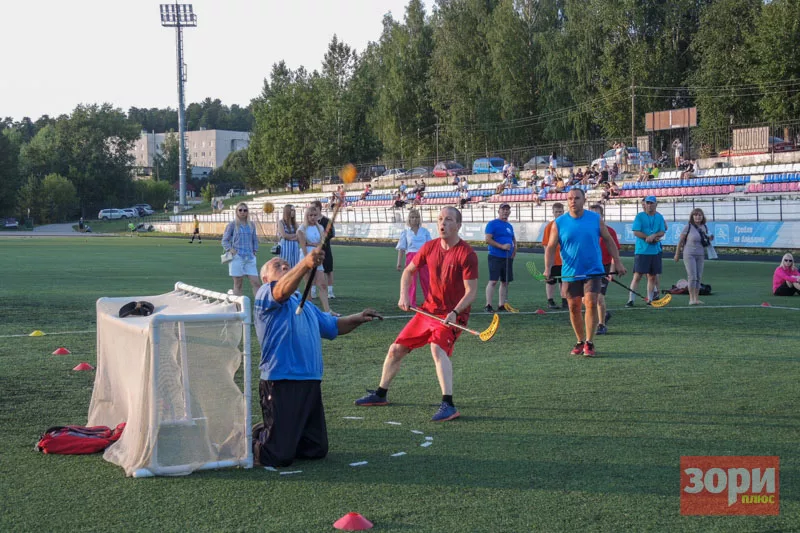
(411, 240)
(786, 280)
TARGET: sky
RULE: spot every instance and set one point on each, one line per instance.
(59, 54)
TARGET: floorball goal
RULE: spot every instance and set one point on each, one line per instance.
(179, 379)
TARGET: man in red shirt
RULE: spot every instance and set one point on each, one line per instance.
(453, 268)
(608, 264)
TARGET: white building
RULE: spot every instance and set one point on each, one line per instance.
(206, 149)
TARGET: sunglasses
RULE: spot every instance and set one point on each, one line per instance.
(242, 210)
(788, 261)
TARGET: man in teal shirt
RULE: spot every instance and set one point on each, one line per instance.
(649, 228)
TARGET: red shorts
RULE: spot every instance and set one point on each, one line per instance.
(422, 330)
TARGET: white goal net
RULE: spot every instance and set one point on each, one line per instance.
(172, 378)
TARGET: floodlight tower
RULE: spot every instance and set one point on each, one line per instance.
(180, 16)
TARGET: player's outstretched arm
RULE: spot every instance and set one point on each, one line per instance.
(287, 285)
(348, 323)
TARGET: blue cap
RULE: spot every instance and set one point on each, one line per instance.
(650, 199)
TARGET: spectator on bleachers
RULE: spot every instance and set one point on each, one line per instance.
(548, 177)
(421, 185)
(367, 191)
(533, 182)
(541, 196)
(402, 188)
(464, 197)
(579, 174)
(501, 186)
(553, 162)
(786, 280)
(415, 188)
(418, 198)
(559, 184)
(614, 189)
(333, 200)
(463, 184)
(689, 169)
(398, 200)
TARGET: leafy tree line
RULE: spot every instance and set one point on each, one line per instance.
(478, 75)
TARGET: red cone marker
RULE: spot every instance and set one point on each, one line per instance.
(62, 351)
(83, 366)
(352, 522)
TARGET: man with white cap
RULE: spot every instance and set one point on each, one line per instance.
(649, 227)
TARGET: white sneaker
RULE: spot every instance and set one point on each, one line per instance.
(313, 292)
(331, 295)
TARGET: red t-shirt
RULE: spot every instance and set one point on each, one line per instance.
(447, 270)
(606, 255)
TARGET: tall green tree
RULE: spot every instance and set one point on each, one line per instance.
(723, 65)
(167, 162)
(9, 172)
(282, 144)
(776, 59)
(59, 199)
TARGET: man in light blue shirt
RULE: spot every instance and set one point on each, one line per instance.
(649, 227)
(291, 364)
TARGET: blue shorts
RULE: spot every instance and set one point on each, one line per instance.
(647, 264)
(501, 268)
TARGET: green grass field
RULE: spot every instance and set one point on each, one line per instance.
(546, 441)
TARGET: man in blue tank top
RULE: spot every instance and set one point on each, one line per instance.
(578, 232)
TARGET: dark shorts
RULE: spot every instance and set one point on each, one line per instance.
(785, 290)
(647, 264)
(578, 289)
(294, 423)
(604, 281)
(501, 268)
(555, 273)
(197, 231)
(327, 263)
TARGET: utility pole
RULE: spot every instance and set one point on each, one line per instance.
(633, 115)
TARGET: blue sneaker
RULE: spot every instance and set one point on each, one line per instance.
(602, 329)
(372, 399)
(445, 412)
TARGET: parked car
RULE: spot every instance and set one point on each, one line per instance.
(111, 214)
(10, 223)
(130, 212)
(372, 171)
(448, 169)
(389, 175)
(543, 161)
(635, 158)
(418, 173)
(776, 144)
(235, 192)
(488, 165)
(144, 210)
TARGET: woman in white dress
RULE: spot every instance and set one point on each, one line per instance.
(309, 235)
(411, 240)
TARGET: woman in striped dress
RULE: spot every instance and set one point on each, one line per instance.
(287, 231)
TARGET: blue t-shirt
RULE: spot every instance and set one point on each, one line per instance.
(502, 233)
(648, 225)
(579, 239)
(291, 347)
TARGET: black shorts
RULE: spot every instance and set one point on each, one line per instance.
(647, 264)
(555, 272)
(578, 289)
(785, 290)
(327, 263)
(604, 280)
(196, 231)
(294, 423)
(501, 268)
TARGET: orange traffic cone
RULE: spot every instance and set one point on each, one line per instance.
(62, 351)
(352, 522)
(83, 366)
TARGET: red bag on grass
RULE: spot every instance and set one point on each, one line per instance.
(76, 440)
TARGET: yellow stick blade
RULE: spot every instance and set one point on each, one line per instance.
(491, 330)
(507, 306)
(661, 302)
